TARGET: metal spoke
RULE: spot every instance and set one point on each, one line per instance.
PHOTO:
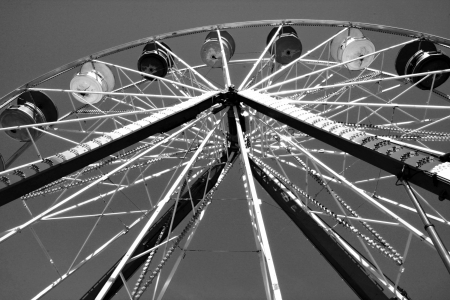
(327, 143)
(337, 65)
(226, 72)
(361, 193)
(109, 93)
(189, 67)
(298, 59)
(350, 83)
(43, 214)
(392, 105)
(257, 211)
(260, 57)
(152, 76)
(158, 209)
(82, 119)
(437, 241)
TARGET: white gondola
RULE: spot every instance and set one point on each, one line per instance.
(211, 53)
(352, 44)
(93, 77)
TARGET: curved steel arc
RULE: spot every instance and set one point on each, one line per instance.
(297, 22)
(431, 171)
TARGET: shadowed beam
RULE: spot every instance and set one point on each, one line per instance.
(184, 208)
(34, 176)
(347, 267)
(426, 168)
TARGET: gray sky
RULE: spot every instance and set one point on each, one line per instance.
(37, 36)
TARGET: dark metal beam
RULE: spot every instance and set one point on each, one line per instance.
(349, 269)
(426, 169)
(184, 208)
(21, 183)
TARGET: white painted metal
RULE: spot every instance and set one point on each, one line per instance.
(150, 222)
(126, 286)
(392, 105)
(83, 119)
(260, 58)
(406, 207)
(52, 208)
(349, 248)
(360, 219)
(366, 197)
(398, 77)
(188, 66)
(437, 241)
(112, 93)
(336, 65)
(152, 76)
(151, 249)
(226, 72)
(193, 68)
(89, 257)
(257, 211)
(298, 59)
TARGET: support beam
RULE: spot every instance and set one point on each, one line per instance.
(348, 268)
(429, 227)
(426, 168)
(184, 208)
(33, 176)
(162, 204)
(256, 211)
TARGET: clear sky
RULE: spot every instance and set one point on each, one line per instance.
(38, 36)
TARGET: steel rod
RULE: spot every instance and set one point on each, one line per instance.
(377, 80)
(260, 57)
(257, 209)
(83, 119)
(43, 214)
(336, 65)
(152, 219)
(361, 192)
(429, 227)
(108, 93)
(152, 76)
(389, 105)
(298, 59)
(188, 66)
(226, 73)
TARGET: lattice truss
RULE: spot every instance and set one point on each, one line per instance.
(340, 131)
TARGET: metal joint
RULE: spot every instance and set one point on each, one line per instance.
(428, 225)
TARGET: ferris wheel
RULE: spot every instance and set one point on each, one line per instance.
(339, 127)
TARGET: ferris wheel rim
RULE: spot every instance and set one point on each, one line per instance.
(104, 53)
(234, 25)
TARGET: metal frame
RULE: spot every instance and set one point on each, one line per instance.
(351, 271)
(348, 268)
(365, 151)
(165, 123)
(183, 209)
